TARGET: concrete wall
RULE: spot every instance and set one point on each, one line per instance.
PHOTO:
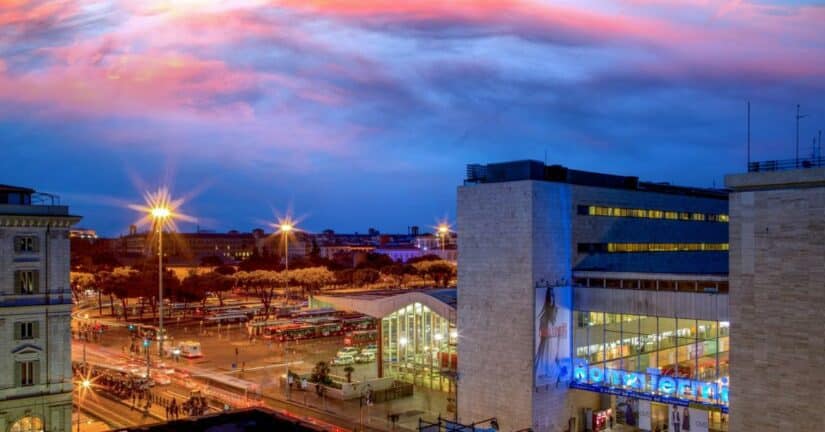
(513, 235)
(777, 298)
(495, 303)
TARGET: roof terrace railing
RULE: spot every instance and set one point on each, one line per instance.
(787, 164)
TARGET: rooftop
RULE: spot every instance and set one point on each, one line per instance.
(535, 170)
(379, 304)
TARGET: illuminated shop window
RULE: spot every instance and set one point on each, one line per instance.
(27, 424)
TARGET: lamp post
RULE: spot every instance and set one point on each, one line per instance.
(443, 229)
(286, 227)
(84, 385)
(159, 215)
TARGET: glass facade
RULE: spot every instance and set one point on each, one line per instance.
(419, 346)
(636, 352)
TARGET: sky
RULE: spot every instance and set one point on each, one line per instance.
(353, 114)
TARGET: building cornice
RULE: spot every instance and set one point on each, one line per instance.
(37, 221)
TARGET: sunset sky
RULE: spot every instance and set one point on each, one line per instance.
(359, 113)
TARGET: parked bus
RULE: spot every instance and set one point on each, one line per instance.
(358, 322)
(306, 329)
(227, 317)
(314, 313)
(358, 338)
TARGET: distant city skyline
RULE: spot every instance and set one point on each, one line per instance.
(364, 113)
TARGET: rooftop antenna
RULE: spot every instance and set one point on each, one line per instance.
(819, 148)
(749, 134)
(798, 116)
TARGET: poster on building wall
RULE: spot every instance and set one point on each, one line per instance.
(684, 419)
(627, 410)
(644, 415)
(552, 364)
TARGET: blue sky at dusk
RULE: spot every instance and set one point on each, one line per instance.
(359, 113)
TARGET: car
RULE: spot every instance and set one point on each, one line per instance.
(369, 350)
(347, 351)
(343, 360)
(365, 357)
(161, 378)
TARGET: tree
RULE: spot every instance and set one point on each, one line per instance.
(190, 290)
(211, 261)
(80, 282)
(313, 278)
(441, 272)
(365, 276)
(263, 285)
(217, 284)
(349, 370)
(376, 261)
(320, 374)
(225, 270)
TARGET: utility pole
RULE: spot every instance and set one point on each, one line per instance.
(798, 117)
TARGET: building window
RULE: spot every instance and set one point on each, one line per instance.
(651, 247)
(26, 282)
(24, 244)
(595, 210)
(26, 330)
(27, 373)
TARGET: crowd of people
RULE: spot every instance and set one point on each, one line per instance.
(135, 391)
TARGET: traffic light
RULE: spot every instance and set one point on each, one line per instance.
(146, 343)
(131, 327)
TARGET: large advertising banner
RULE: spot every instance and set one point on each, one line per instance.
(552, 364)
(684, 419)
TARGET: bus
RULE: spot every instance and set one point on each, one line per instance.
(306, 329)
(358, 322)
(358, 338)
(227, 317)
(314, 313)
(229, 390)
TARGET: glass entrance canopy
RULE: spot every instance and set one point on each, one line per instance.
(418, 345)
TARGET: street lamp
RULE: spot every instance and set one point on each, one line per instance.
(286, 227)
(443, 231)
(160, 210)
(83, 385)
(159, 215)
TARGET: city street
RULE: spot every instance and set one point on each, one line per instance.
(228, 351)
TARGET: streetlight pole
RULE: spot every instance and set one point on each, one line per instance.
(286, 263)
(85, 384)
(160, 288)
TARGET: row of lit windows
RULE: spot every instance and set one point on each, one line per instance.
(651, 247)
(652, 214)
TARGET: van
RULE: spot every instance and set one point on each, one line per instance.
(343, 360)
(365, 357)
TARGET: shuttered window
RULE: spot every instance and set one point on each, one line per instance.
(23, 244)
(26, 330)
(26, 282)
(27, 373)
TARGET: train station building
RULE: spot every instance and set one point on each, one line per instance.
(417, 336)
(586, 299)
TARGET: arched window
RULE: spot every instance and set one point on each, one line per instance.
(27, 424)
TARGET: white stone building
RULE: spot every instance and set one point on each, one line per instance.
(35, 313)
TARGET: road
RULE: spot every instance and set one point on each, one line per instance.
(259, 361)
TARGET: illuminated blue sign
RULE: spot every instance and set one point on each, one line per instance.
(650, 385)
